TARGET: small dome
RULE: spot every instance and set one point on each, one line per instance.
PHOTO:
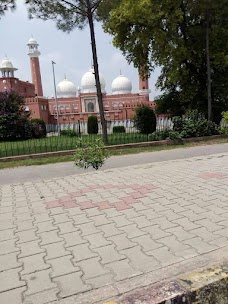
(88, 83)
(121, 85)
(66, 89)
(7, 66)
(32, 41)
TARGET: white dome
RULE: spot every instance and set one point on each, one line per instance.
(32, 41)
(88, 83)
(66, 89)
(7, 64)
(121, 85)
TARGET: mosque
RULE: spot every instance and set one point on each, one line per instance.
(72, 104)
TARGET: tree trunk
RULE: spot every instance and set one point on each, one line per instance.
(97, 78)
(209, 99)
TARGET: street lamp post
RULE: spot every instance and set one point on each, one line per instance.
(56, 101)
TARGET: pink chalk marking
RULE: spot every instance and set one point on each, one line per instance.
(122, 206)
(86, 205)
(70, 201)
(104, 205)
(213, 175)
(70, 204)
(54, 204)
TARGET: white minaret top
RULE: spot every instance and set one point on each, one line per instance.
(7, 68)
(33, 48)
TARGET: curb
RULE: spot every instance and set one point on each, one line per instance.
(116, 147)
(209, 286)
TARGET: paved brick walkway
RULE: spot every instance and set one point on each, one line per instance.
(87, 238)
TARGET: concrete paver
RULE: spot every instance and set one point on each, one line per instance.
(10, 279)
(86, 238)
(62, 266)
(38, 282)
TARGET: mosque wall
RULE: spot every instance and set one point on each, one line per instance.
(39, 108)
(21, 87)
(72, 110)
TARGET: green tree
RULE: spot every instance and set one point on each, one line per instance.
(172, 34)
(14, 120)
(6, 5)
(38, 128)
(170, 103)
(92, 127)
(145, 119)
(68, 15)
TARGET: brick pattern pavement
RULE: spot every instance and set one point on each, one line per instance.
(79, 234)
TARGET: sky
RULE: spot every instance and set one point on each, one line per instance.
(71, 52)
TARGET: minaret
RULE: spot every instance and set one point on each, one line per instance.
(35, 65)
(144, 86)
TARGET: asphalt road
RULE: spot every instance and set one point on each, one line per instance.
(33, 173)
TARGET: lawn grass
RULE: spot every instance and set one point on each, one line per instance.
(70, 158)
(55, 143)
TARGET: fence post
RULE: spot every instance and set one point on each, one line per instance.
(79, 128)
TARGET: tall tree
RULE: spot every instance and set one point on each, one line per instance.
(14, 120)
(173, 34)
(6, 5)
(68, 15)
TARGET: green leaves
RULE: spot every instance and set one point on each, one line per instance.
(194, 125)
(92, 125)
(172, 34)
(6, 5)
(90, 154)
(145, 119)
(66, 14)
(14, 121)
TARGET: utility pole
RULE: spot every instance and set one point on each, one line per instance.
(56, 100)
(209, 98)
(96, 70)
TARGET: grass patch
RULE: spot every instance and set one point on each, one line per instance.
(55, 143)
(69, 158)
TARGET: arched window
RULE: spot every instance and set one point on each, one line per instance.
(67, 108)
(90, 107)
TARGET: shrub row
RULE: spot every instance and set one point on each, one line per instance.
(27, 129)
(192, 125)
(69, 132)
(195, 125)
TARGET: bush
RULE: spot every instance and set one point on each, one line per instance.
(14, 120)
(225, 122)
(145, 119)
(38, 128)
(92, 126)
(69, 132)
(165, 134)
(119, 129)
(90, 154)
(194, 125)
(225, 117)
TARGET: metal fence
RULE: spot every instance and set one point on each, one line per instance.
(67, 140)
(81, 126)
